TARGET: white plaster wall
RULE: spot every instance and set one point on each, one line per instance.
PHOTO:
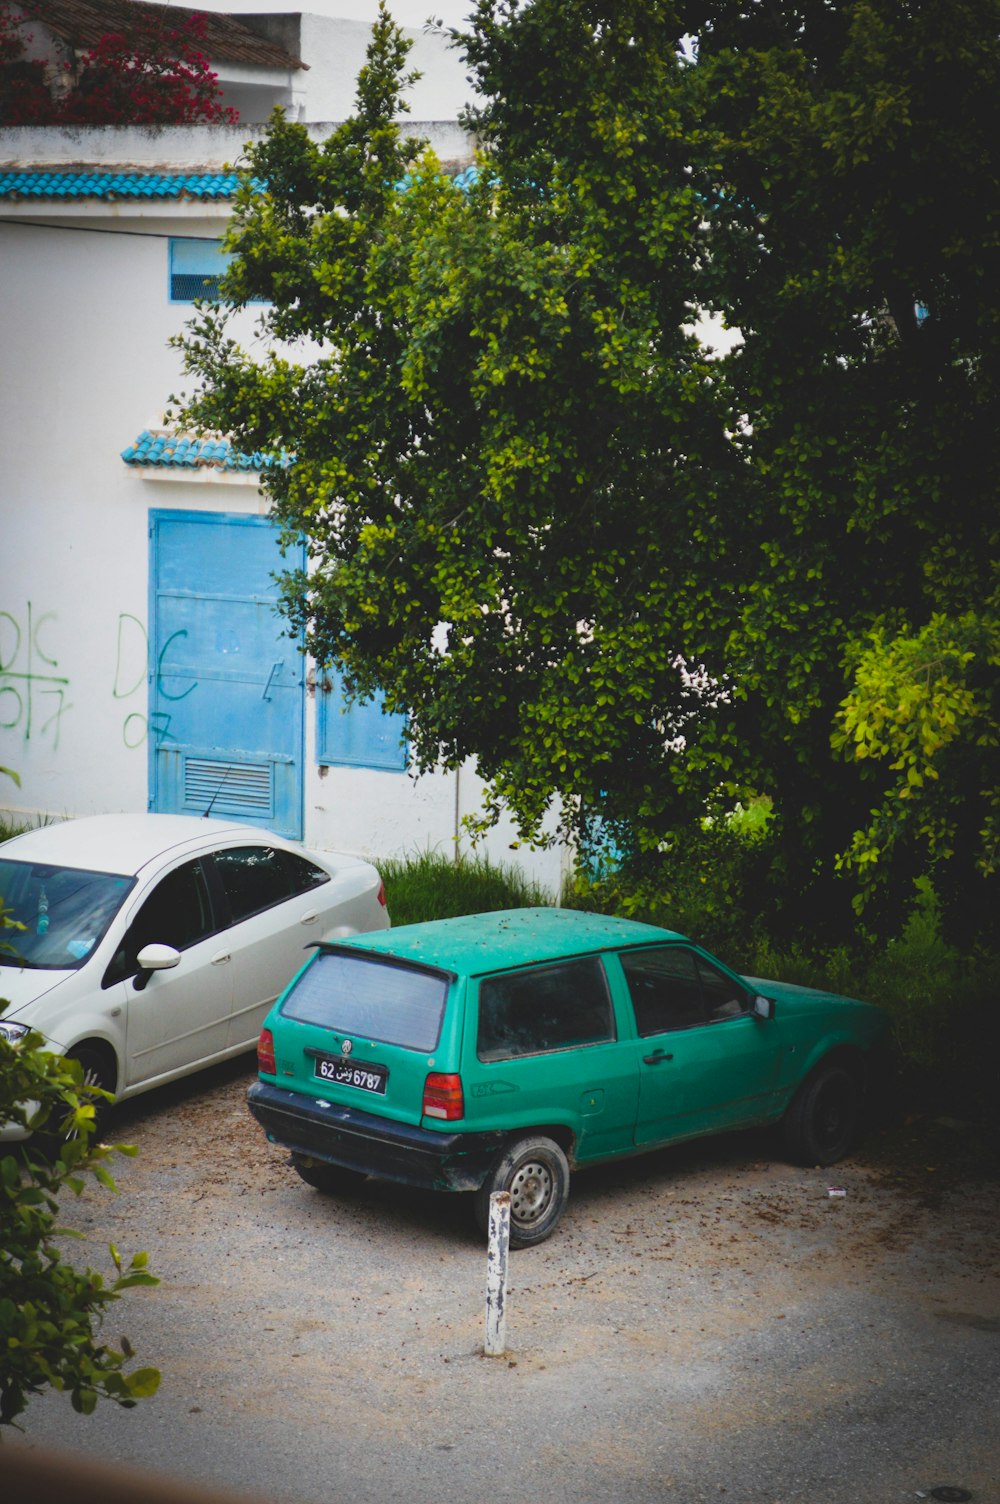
(335, 51)
(85, 318)
(69, 567)
(84, 321)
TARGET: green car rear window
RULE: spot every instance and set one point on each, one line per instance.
(372, 997)
(545, 1008)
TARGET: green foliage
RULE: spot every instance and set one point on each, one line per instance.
(712, 885)
(921, 702)
(942, 1003)
(635, 582)
(503, 431)
(9, 827)
(856, 252)
(430, 885)
(50, 1310)
(941, 1000)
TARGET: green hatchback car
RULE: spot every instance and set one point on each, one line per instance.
(498, 1051)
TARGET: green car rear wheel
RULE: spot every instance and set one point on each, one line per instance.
(536, 1173)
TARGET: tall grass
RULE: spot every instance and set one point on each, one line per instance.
(430, 885)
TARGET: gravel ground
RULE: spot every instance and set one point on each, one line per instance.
(707, 1323)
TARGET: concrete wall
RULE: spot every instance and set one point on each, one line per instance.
(147, 148)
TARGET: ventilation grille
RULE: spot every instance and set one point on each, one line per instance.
(236, 788)
(186, 286)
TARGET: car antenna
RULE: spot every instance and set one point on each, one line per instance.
(218, 791)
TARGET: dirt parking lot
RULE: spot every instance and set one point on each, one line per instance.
(707, 1323)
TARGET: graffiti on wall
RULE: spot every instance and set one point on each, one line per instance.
(131, 668)
(34, 694)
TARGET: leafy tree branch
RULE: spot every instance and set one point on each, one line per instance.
(51, 1310)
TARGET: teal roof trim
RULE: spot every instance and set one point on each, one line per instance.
(115, 185)
(166, 451)
(143, 185)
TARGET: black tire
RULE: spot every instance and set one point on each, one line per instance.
(536, 1173)
(334, 1180)
(822, 1122)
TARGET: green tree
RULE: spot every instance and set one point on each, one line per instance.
(850, 158)
(635, 581)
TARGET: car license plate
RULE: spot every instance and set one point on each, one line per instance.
(359, 1073)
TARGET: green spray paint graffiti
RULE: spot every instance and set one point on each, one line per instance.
(32, 696)
(131, 669)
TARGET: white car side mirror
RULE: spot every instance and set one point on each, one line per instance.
(158, 957)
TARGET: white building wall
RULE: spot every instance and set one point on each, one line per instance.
(335, 49)
(85, 319)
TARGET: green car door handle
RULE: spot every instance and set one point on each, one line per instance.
(656, 1058)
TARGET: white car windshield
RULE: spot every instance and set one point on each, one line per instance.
(56, 915)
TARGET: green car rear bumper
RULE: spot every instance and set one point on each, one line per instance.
(357, 1140)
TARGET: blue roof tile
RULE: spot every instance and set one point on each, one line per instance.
(38, 184)
(170, 451)
(112, 185)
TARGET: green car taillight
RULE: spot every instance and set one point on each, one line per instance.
(443, 1097)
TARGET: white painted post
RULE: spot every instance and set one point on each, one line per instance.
(496, 1274)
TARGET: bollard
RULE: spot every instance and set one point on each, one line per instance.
(496, 1274)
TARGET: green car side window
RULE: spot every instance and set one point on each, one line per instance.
(724, 997)
(544, 1008)
(664, 987)
(673, 988)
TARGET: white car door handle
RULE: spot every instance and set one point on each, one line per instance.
(221, 956)
(310, 918)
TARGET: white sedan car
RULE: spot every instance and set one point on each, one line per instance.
(153, 945)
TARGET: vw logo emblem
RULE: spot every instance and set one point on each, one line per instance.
(346, 1047)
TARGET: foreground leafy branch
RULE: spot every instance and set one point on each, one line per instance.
(51, 1311)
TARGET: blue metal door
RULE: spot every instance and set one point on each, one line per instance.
(227, 698)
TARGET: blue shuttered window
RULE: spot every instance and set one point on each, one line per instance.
(358, 736)
(195, 269)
